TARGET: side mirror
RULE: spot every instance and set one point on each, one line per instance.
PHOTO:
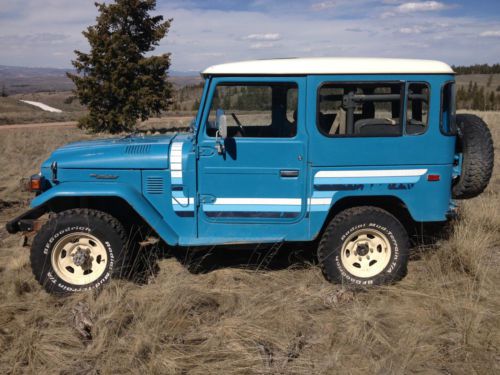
(221, 123)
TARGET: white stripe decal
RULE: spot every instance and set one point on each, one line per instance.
(273, 201)
(373, 173)
(182, 201)
(319, 201)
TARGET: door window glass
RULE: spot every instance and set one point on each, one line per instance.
(255, 110)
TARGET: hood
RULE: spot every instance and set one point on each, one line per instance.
(137, 152)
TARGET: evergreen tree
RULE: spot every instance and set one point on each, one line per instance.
(196, 105)
(490, 80)
(469, 88)
(4, 93)
(491, 101)
(226, 102)
(115, 80)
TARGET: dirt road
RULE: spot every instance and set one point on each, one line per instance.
(156, 121)
(39, 125)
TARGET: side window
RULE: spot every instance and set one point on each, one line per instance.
(448, 121)
(417, 110)
(256, 110)
(360, 109)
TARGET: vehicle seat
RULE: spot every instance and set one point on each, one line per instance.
(415, 127)
(339, 123)
(377, 126)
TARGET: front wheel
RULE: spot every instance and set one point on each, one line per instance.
(78, 250)
(364, 246)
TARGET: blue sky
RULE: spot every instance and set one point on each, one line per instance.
(45, 33)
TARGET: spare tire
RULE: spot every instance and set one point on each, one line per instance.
(476, 145)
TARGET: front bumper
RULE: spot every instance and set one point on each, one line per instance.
(25, 222)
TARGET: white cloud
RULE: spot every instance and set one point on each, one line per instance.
(268, 36)
(425, 6)
(490, 33)
(324, 5)
(262, 45)
(411, 30)
(46, 33)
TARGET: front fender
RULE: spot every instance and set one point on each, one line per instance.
(127, 193)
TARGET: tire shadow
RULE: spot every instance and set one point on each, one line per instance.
(424, 237)
(268, 257)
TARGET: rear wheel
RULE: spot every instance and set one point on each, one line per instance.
(364, 246)
(78, 250)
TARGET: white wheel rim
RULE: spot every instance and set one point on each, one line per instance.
(79, 258)
(366, 253)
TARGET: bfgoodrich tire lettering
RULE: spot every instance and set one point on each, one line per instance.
(364, 246)
(101, 254)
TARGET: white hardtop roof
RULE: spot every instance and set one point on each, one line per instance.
(330, 65)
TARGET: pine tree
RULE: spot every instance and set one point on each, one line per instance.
(4, 93)
(115, 80)
(491, 101)
(490, 80)
(226, 102)
(196, 105)
(469, 88)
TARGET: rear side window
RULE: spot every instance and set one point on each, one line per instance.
(417, 110)
(360, 109)
(448, 119)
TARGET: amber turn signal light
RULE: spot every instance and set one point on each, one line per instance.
(35, 183)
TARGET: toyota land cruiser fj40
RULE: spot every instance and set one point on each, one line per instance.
(345, 152)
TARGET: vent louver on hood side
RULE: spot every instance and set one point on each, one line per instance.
(154, 185)
(137, 149)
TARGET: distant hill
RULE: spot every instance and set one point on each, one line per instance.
(20, 80)
(478, 85)
(23, 80)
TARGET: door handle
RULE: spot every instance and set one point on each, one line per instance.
(289, 173)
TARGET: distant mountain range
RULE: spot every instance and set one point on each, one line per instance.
(21, 80)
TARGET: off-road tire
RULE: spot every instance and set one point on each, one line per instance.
(349, 222)
(476, 145)
(104, 227)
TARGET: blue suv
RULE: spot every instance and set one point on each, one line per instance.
(346, 153)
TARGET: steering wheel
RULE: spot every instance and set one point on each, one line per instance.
(239, 124)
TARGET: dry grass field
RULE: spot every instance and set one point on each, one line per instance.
(275, 315)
